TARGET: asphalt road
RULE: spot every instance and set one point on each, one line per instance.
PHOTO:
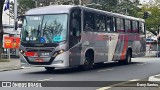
(141, 68)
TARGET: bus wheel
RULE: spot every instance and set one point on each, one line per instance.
(88, 63)
(128, 57)
(127, 60)
(50, 69)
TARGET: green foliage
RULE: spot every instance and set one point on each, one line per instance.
(107, 5)
(153, 21)
(125, 7)
(23, 6)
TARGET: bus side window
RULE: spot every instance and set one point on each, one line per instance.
(100, 23)
(141, 28)
(135, 27)
(110, 23)
(120, 25)
(128, 26)
(88, 21)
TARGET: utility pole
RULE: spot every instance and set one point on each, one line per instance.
(80, 2)
(15, 17)
(36, 4)
(158, 41)
(15, 12)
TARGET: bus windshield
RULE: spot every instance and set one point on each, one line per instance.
(44, 29)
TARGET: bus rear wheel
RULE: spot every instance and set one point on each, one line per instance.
(50, 69)
(128, 58)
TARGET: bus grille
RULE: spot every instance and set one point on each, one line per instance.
(40, 63)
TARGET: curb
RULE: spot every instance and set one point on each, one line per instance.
(10, 69)
(153, 78)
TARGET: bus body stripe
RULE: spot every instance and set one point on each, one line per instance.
(118, 45)
(124, 48)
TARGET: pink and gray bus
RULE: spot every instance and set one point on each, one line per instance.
(65, 36)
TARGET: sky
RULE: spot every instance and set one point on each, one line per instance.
(142, 1)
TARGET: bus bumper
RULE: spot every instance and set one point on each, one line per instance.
(60, 61)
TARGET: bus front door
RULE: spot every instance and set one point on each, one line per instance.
(75, 37)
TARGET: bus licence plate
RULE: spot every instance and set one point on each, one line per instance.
(39, 60)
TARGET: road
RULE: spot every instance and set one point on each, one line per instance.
(139, 69)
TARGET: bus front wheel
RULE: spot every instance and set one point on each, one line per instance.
(88, 63)
(50, 69)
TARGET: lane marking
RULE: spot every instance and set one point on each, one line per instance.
(46, 79)
(109, 87)
(26, 67)
(135, 80)
(104, 88)
(152, 78)
(105, 70)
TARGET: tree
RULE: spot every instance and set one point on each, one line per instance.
(107, 5)
(1, 26)
(153, 21)
(157, 2)
(124, 7)
(23, 6)
(128, 7)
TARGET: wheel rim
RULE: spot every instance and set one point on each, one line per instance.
(87, 64)
(129, 58)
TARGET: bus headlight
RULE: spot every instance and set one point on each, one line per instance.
(22, 52)
(58, 52)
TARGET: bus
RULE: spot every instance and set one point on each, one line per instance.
(63, 36)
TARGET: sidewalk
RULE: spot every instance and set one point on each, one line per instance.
(151, 54)
(14, 64)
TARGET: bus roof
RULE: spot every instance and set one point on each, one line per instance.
(50, 9)
(55, 9)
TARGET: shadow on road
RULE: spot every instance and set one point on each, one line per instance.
(78, 70)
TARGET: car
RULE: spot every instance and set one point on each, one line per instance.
(149, 40)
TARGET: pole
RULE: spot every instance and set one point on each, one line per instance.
(158, 42)
(9, 54)
(15, 12)
(36, 4)
(9, 15)
(15, 18)
(157, 48)
(80, 2)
